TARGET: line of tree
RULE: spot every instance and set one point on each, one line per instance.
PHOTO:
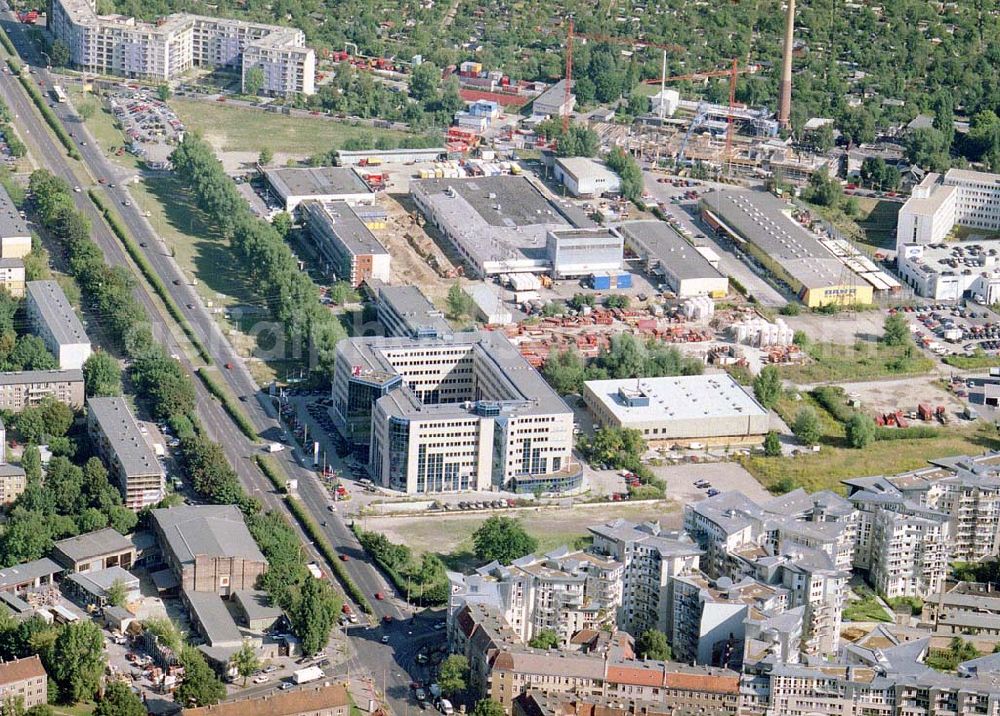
(160, 380)
(423, 581)
(625, 166)
(291, 295)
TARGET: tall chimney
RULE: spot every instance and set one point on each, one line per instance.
(785, 101)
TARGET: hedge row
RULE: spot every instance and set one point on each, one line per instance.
(226, 398)
(47, 114)
(7, 44)
(324, 546)
(150, 274)
(270, 470)
(917, 432)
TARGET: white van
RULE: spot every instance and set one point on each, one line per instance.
(444, 706)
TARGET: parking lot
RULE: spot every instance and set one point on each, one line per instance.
(947, 329)
(150, 127)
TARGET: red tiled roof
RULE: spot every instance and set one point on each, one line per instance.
(704, 682)
(20, 669)
(501, 98)
(279, 704)
(635, 675)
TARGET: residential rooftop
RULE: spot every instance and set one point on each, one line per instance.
(57, 313)
(127, 442)
(22, 377)
(93, 544)
(310, 700)
(11, 223)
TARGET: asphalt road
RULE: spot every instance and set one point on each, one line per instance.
(48, 152)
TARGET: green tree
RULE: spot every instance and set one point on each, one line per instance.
(625, 166)
(857, 126)
(652, 644)
(544, 639)
(342, 292)
(30, 353)
(282, 223)
(823, 189)
(425, 82)
(48, 419)
(102, 375)
(876, 174)
(860, 431)
(117, 593)
(76, 661)
(86, 110)
(807, 427)
(820, 140)
(163, 92)
(767, 386)
(488, 707)
(459, 302)
(119, 700)
(928, 148)
(253, 81)
(453, 673)
(896, 330)
(565, 371)
(200, 686)
(772, 444)
(502, 539)
(265, 157)
(313, 614)
(59, 54)
(245, 661)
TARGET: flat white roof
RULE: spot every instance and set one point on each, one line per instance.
(683, 397)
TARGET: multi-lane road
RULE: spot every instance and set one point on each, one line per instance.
(382, 661)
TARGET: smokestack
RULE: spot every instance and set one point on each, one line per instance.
(785, 101)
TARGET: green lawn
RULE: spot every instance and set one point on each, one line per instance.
(82, 709)
(230, 128)
(862, 361)
(825, 469)
(866, 610)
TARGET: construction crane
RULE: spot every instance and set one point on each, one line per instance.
(700, 115)
(610, 40)
(733, 71)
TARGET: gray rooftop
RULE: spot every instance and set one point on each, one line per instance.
(413, 309)
(316, 182)
(55, 311)
(73, 375)
(336, 222)
(525, 391)
(11, 223)
(763, 220)
(256, 604)
(211, 530)
(93, 544)
(217, 624)
(100, 581)
(122, 431)
(27, 572)
(686, 397)
(669, 248)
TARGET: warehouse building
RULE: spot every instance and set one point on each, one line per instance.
(553, 102)
(466, 412)
(712, 408)
(404, 311)
(94, 551)
(55, 322)
(490, 308)
(761, 225)
(15, 237)
(684, 268)
(130, 460)
(23, 389)
(581, 252)
(88, 588)
(375, 157)
(586, 178)
(499, 224)
(173, 45)
(350, 249)
(961, 197)
(323, 184)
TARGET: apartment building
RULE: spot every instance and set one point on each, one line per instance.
(564, 592)
(15, 236)
(349, 249)
(23, 389)
(56, 323)
(12, 477)
(24, 681)
(651, 559)
(126, 453)
(462, 412)
(903, 545)
(12, 276)
(938, 203)
(164, 50)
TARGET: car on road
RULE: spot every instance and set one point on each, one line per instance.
(379, 596)
(387, 619)
(713, 492)
(143, 244)
(286, 685)
(439, 626)
(177, 282)
(190, 306)
(270, 669)
(345, 558)
(77, 189)
(263, 678)
(126, 202)
(385, 638)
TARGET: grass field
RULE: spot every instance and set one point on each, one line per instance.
(825, 469)
(878, 221)
(861, 361)
(450, 537)
(230, 128)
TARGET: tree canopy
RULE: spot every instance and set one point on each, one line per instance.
(502, 539)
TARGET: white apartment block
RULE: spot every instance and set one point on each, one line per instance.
(56, 323)
(564, 592)
(126, 47)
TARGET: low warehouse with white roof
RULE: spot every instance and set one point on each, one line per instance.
(714, 408)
